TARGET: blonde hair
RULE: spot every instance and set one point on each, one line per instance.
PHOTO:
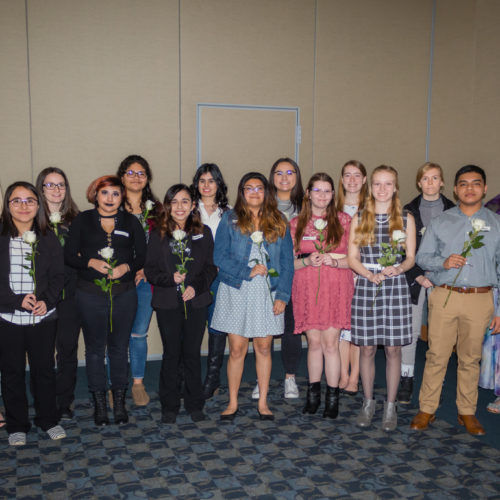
(428, 165)
(365, 232)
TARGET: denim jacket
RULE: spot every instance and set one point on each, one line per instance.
(232, 251)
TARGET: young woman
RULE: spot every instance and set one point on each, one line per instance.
(107, 314)
(381, 312)
(31, 280)
(351, 198)
(322, 288)
(135, 174)
(252, 239)
(429, 204)
(60, 210)
(286, 185)
(210, 194)
(180, 298)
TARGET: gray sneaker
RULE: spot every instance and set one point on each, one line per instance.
(366, 414)
(255, 392)
(291, 389)
(17, 439)
(390, 418)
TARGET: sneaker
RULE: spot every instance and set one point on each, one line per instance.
(56, 432)
(17, 439)
(405, 390)
(255, 392)
(494, 406)
(139, 395)
(291, 389)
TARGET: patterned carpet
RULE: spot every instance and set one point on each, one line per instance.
(293, 457)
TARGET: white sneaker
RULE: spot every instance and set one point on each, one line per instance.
(291, 389)
(56, 432)
(17, 439)
(255, 392)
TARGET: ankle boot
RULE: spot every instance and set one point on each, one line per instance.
(313, 398)
(390, 417)
(331, 402)
(119, 410)
(216, 347)
(100, 408)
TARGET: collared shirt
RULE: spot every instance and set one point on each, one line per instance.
(212, 220)
(447, 234)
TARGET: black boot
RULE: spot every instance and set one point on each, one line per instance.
(405, 390)
(216, 347)
(331, 402)
(119, 410)
(313, 398)
(100, 408)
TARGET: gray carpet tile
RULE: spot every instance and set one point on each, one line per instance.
(294, 457)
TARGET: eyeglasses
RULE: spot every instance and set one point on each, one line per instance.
(136, 173)
(256, 189)
(18, 202)
(53, 185)
(322, 191)
(279, 173)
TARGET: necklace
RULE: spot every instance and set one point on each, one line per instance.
(382, 221)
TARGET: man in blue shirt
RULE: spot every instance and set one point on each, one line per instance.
(461, 302)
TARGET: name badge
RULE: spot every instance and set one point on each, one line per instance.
(122, 233)
(196, 236)
(309, 238)
(486, 228)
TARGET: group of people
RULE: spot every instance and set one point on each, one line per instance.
(341, 267)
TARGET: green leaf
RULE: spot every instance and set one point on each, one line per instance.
(272, 272)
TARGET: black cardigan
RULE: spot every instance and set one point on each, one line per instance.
(49, 273)
(414, 208)
(160, 268)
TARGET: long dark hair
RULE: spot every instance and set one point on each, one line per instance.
(69, 209)
(334, 227)
(9, 228)
(214, 171)
(147, 193)
(167, 225)
(297, 193)
(271, 223)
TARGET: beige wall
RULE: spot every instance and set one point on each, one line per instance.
(83, 84)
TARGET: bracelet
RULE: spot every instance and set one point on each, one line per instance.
(304, 262)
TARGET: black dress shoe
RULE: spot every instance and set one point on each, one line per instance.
(348, 393)
(265, 416)
(229, 417)
(198, 416)
(65, 414)
(169, 417)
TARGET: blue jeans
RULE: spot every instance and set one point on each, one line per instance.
(138, 346)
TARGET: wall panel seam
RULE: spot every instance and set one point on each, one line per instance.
(30, 122)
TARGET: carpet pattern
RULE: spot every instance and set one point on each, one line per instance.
(296, 456)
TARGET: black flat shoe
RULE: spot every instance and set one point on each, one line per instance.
(198, 416)
(265, 416)
(229, 417)
(66, 414)
(348, 393)
(168, 417)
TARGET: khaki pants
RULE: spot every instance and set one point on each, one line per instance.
(462, 323)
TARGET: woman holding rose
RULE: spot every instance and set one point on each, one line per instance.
(180, 267)
(381, 306)
(60, 210)
(322, 288)
(106, 245)
(31, 281)
(254, 254)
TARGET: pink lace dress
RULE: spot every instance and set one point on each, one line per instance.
(333, 305)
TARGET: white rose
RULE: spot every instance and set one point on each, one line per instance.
(398, 236)
(149, 204)
(179, 234)
(478, 224)
(257, 237)
(320, 224)
(29, 237)
(422, 231)
(106, 253)
(55, 218)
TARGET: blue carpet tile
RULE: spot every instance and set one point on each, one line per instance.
(296, 456)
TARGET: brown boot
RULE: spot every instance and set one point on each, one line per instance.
(422, 420)
(139, 395)
(471, 424)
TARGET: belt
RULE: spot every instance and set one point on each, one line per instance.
(465, 289)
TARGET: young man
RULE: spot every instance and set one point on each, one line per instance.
(462, 318)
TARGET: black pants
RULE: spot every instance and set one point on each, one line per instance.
(68, 332)
(291, 344)
(94, 312)
(181, 339)
(38, 342)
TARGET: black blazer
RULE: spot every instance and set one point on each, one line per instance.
(49, 273)
(160, 268)
(414, 208)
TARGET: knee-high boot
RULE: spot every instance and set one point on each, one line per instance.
(216, 347)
